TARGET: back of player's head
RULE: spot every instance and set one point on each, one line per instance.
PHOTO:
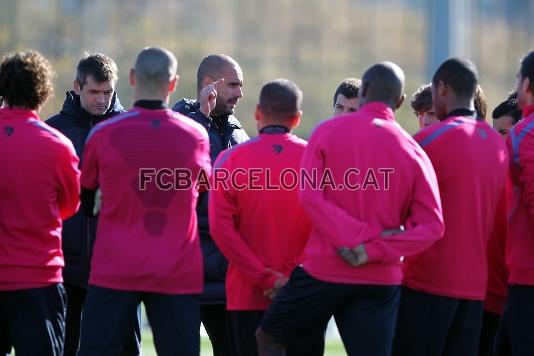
(212, 66)
(155, 68)
(527, 69)
(422, 99)
(280, 100)
(98, 66)
(508, 108)
(348, 88)
(383, 82)
(481, 103)
(25, 79)
(460, 75)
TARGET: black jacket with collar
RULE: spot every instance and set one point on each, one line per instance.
(79, 231)
(224, 132)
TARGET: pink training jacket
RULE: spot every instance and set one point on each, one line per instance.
(471, 163)
(497, 288)
(147, 238)
(520, 246)
(39, 186)
(258, 229)
(397, 187)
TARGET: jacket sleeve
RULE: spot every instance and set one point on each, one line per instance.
(526, 175)
(68, 178)
(424, 224)
(223, 213)
(332, 221)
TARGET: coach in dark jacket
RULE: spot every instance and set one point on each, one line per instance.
(93, 100)
(219, 82)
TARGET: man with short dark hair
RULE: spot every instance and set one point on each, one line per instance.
(219, 82)
(506, 115)
(421, 104)
(38, 188)
(92, 100)
(261, 260)
(346, 96)
(147, 247)
(441, 304)
(351, 267)
(520, 244)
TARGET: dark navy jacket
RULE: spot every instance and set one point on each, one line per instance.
(224, 132)
(79, 231)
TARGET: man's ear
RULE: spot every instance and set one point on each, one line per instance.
(400, 101)
(132, 77)
(442, 88)
(173, 83)
(296, 120)
(258, 113)
(363, 90)
(525, 86)
(76, 86)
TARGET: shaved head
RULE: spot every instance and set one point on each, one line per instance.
(383, 82)
(212, 66)
(281, 100)
(155, 68)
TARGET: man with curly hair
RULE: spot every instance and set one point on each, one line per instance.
(39, 187)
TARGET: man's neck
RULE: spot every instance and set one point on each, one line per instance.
(138, 96)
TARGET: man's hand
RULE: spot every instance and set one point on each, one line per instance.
(392, 232)
(278, 284)
(208, 96)
(354, 257)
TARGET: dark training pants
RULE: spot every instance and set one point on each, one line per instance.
(434, 325)
(32, 321)
(215, 321)
(75, 301)
(365, 314)
(243, 325)
(110, 314)
(518, 321)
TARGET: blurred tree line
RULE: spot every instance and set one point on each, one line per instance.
(315, 43)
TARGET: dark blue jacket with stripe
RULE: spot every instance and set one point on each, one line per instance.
(224, 132)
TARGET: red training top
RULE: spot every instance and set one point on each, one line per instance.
(471, 162)
(383, 180)
(39, 186)
(520, 246)
(147, 237)
(258, 229)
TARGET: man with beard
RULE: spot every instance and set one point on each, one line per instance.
(219, 82)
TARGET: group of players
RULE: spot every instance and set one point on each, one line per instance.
(436, 257)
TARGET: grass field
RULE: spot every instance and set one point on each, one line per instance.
(333, 346)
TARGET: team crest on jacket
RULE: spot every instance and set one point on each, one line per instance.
(278, 149)
(8, 131)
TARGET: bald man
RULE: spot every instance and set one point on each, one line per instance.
(147, 247)
(219, 83)
(383, 204)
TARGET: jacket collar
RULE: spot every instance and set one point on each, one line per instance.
(72, 108)
(379, 110)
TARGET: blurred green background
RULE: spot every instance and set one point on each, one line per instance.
(315, 43)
